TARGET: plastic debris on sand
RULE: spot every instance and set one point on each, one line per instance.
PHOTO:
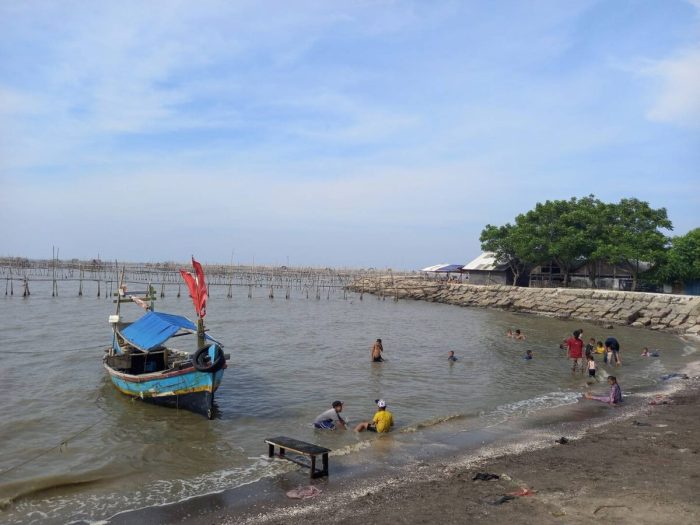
(304, 492)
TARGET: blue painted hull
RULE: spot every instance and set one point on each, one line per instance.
(188, 388)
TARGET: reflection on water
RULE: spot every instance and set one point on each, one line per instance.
(289, 360)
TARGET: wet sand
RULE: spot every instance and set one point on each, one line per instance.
(639, 466)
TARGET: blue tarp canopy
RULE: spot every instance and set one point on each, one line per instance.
(154, 328)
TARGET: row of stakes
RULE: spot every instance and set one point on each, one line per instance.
(9, 286)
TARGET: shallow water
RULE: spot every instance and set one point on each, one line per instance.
(289, 360)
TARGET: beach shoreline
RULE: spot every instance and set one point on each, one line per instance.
(641, 468)
(634, 465)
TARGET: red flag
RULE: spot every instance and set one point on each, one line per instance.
(197, 287)
(191, 285)
(202, 287)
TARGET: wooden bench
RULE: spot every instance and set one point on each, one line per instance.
(303, 448)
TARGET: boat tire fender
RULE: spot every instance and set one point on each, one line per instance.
(203, 365)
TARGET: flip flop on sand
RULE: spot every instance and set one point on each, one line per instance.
(485, 476)
(502, 500)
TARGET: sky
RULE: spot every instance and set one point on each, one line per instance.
(360, 134)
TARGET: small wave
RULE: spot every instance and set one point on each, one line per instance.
(689, 350)
(350, 449)
(15, 491)
(527, 406)
(433, 422)
(692, 369)
(93, 507)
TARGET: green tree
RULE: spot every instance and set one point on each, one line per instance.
(634, 240)
(561, 231)
(683, 259)
(586, 223)
(503, 241)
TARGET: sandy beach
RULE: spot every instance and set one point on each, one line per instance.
(633, 466)
(643, 468)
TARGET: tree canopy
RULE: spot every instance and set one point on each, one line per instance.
(582, 231)
(683, 258)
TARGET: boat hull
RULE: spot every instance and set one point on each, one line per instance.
(188, 388)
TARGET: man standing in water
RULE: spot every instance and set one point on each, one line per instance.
(377, 350)
(575, 346)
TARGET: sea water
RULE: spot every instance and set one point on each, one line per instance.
(74, 448)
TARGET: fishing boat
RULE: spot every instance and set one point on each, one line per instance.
(143, 363)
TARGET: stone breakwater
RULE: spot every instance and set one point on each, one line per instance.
(672, 313)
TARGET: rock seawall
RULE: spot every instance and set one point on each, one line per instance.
(672, 313)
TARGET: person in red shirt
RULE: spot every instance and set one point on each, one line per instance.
(575, 346)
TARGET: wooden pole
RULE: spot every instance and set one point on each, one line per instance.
(201, 340)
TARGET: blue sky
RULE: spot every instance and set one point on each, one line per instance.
(362, 134)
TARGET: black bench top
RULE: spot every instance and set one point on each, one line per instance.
(297, 446)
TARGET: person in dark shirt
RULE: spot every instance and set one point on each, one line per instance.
(612, 345)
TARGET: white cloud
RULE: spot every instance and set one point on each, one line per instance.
(679, 100)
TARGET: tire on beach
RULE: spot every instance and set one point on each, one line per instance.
(200, 363)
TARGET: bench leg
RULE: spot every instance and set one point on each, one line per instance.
(324, 459)
(282, 452)
(313, 467)
(271, 450)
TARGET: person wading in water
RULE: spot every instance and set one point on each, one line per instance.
(377, 350)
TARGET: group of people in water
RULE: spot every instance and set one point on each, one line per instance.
(518, 335)
(578, 352)
(383, 419)
(331, 419)
(610, 349)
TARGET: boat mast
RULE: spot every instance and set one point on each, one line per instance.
(198, 292)
(201, 340)
(115, 319)
(119, 289)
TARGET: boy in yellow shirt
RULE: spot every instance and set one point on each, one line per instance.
(382, 421)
